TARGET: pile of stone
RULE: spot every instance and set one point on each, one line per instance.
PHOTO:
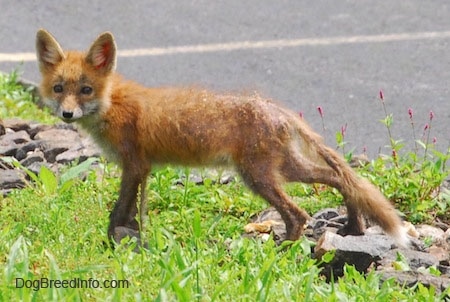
(372, 251)
(34, 145)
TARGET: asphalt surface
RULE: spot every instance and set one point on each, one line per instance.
(305, 54)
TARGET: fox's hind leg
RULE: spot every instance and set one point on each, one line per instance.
(297, 168)
(263, 178)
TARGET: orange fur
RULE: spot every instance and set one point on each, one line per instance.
(138, 127)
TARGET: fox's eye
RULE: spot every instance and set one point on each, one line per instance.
(58, 88)
(86, 90)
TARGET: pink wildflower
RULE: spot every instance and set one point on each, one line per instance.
(319, 108)
(411, 113)
(344, 129)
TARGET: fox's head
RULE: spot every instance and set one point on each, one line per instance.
(75, 84)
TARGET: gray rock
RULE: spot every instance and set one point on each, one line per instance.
(444, 268)
(361, 251)
(415, 259)
(326, 220)
(411, 278)
(80, 155)
(8, 149)
(12, 179)
(67, 156)
(36, 156)
(341, 219)
(56, 141)
(23, 150)
(196, 179)
(52, 150)
(439, 252)
(65, 126)
(58, 135)
(226, 179)
(434, 233)
(320, 226)
(36, 167)
(326, 214)
(18, 137)
(35, 145)
(16, 124)
(36, 128)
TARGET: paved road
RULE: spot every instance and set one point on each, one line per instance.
(333, 54)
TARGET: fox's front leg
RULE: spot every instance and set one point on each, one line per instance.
(123, 221)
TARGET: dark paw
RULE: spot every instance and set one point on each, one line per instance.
(350, 230)
(121, 232)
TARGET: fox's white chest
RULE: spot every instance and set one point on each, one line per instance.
(97, 130)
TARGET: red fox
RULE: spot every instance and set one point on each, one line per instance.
(137, 127)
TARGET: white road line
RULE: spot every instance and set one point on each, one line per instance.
(245, 45)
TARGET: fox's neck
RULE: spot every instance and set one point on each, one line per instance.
(114, 111)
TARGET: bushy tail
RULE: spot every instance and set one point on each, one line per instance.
(360, 196)
(363, 196)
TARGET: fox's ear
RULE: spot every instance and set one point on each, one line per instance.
(48, 51)
(102, 54)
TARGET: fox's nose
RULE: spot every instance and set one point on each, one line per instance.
(67, 114)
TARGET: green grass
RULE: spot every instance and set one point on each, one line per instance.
(195, 249)
(15, 101)
(55, 229)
